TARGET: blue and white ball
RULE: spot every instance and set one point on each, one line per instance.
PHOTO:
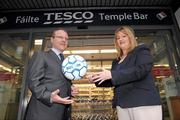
(74, 67)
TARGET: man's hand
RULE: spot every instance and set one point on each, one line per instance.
(55, 98)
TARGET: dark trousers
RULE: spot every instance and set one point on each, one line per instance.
(67, 113)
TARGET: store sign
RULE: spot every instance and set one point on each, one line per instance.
(4, 75)
(100, 17)
(69, 17)
(161, 71)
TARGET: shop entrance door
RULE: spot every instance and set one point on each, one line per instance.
(98, 49)
(13, 55)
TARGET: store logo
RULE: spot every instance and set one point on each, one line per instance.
(69, 17)
(161, 15)
(3, 20)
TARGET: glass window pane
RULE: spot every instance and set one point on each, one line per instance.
(13, 51)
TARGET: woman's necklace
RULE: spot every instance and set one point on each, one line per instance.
(122, 58)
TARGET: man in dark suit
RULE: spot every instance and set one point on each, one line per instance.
(51, 91)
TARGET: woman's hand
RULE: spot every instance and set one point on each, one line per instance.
(100, 76)
(89, 77)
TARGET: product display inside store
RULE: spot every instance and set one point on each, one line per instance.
(93, 102)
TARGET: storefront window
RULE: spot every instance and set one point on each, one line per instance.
(13, 51)
(98, 50)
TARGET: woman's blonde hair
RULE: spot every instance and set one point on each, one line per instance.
(131, 34)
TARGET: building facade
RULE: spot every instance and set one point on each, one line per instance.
(91, 33)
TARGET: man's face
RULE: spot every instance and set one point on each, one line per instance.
(60, 40)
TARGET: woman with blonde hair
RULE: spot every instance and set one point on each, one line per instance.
(135, 94)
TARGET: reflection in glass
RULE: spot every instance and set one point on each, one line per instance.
(13, 51)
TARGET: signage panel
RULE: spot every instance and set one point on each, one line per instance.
(54, 18)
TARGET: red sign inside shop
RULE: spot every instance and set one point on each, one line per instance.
(161, 71)
(4, 75)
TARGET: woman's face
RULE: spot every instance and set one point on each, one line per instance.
(123, 40)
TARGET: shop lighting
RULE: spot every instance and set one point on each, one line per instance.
(84, 51)
(108, 51)
(67, 52)
(5, 68)
(38, 41)
(90, 51)
(162, 65)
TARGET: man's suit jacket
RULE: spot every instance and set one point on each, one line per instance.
(132, 80)
(44, 76)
